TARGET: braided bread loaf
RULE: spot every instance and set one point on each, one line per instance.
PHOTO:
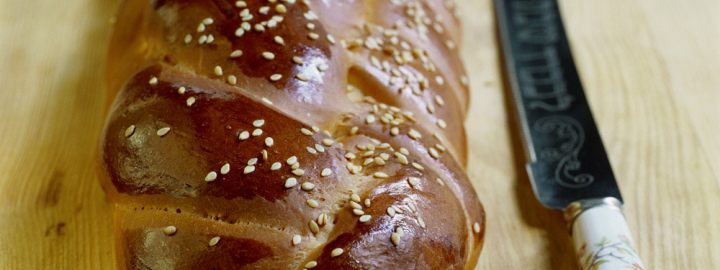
(283, 134)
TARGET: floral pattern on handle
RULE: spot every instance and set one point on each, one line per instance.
(621, 251)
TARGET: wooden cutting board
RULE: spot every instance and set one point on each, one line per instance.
(650, 68)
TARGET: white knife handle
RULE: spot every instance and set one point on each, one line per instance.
(601, 235)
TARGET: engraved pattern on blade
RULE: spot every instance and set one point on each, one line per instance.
(567, 170)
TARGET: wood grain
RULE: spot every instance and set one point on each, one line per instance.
(650, 68)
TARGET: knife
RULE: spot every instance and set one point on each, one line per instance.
(566, 160)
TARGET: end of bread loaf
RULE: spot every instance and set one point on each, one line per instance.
(327, 135)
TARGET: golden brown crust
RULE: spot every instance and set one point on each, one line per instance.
(367, 115)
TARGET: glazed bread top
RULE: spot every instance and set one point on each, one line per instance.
(289, 134)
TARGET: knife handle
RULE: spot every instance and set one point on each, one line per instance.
(601, 235)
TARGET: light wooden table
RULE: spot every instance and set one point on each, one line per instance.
(651, 69)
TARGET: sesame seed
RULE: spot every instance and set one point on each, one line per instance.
(214, 241)
(379, 161)
(280, 8)
(440, 181)
(395, 238)
(354, 130)
(370, 119)
(181, 90)
(350, 156)
(264, 10)
(296, 240)
(225, 169)
(218, 71)
(210, 39)
(413, 181)
(239, 32)
(439, 100)
(232, 79)
(336, 252)
(441, 123)
(252, 161)
(434, 153)
(311, 264)
(169, 230)
(307, 186)
(244, 135)
(313, 35)
(163, 131)
(414, 134)
(188, 38)
(257, 132)
(249, 169)
(190, 101)
(355, 205)
(365, 218)
(330, 38)
(312, 203)
(211, 176)
(314, 228)
(268, 55)
(358, 212)
(430, 108)
(275, 77)
(297, 60)
(301, 77)
(476, 227)
(259, 27)
(326, 172)
(298, 172)
(322, 67)
(310, 26)
(266, 100)
(390, 211)
(236, 54)
(292, 160)
(258, 123)
(153, 80)
(306, 131)
(354, 197)
(279, 40)
(275, 166)
(328, 141)
(129, 131)
(240, 4)
(201, 28)
(202, 39)
(380, 175)
(322, 219)
(450, 44)
(310, 15)
(290, 182)
(320, 148)
(368, 161)
(316, 129)
(311, 150)
(418, 166)
(264, 154)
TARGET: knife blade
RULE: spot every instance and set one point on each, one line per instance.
(566, 159)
